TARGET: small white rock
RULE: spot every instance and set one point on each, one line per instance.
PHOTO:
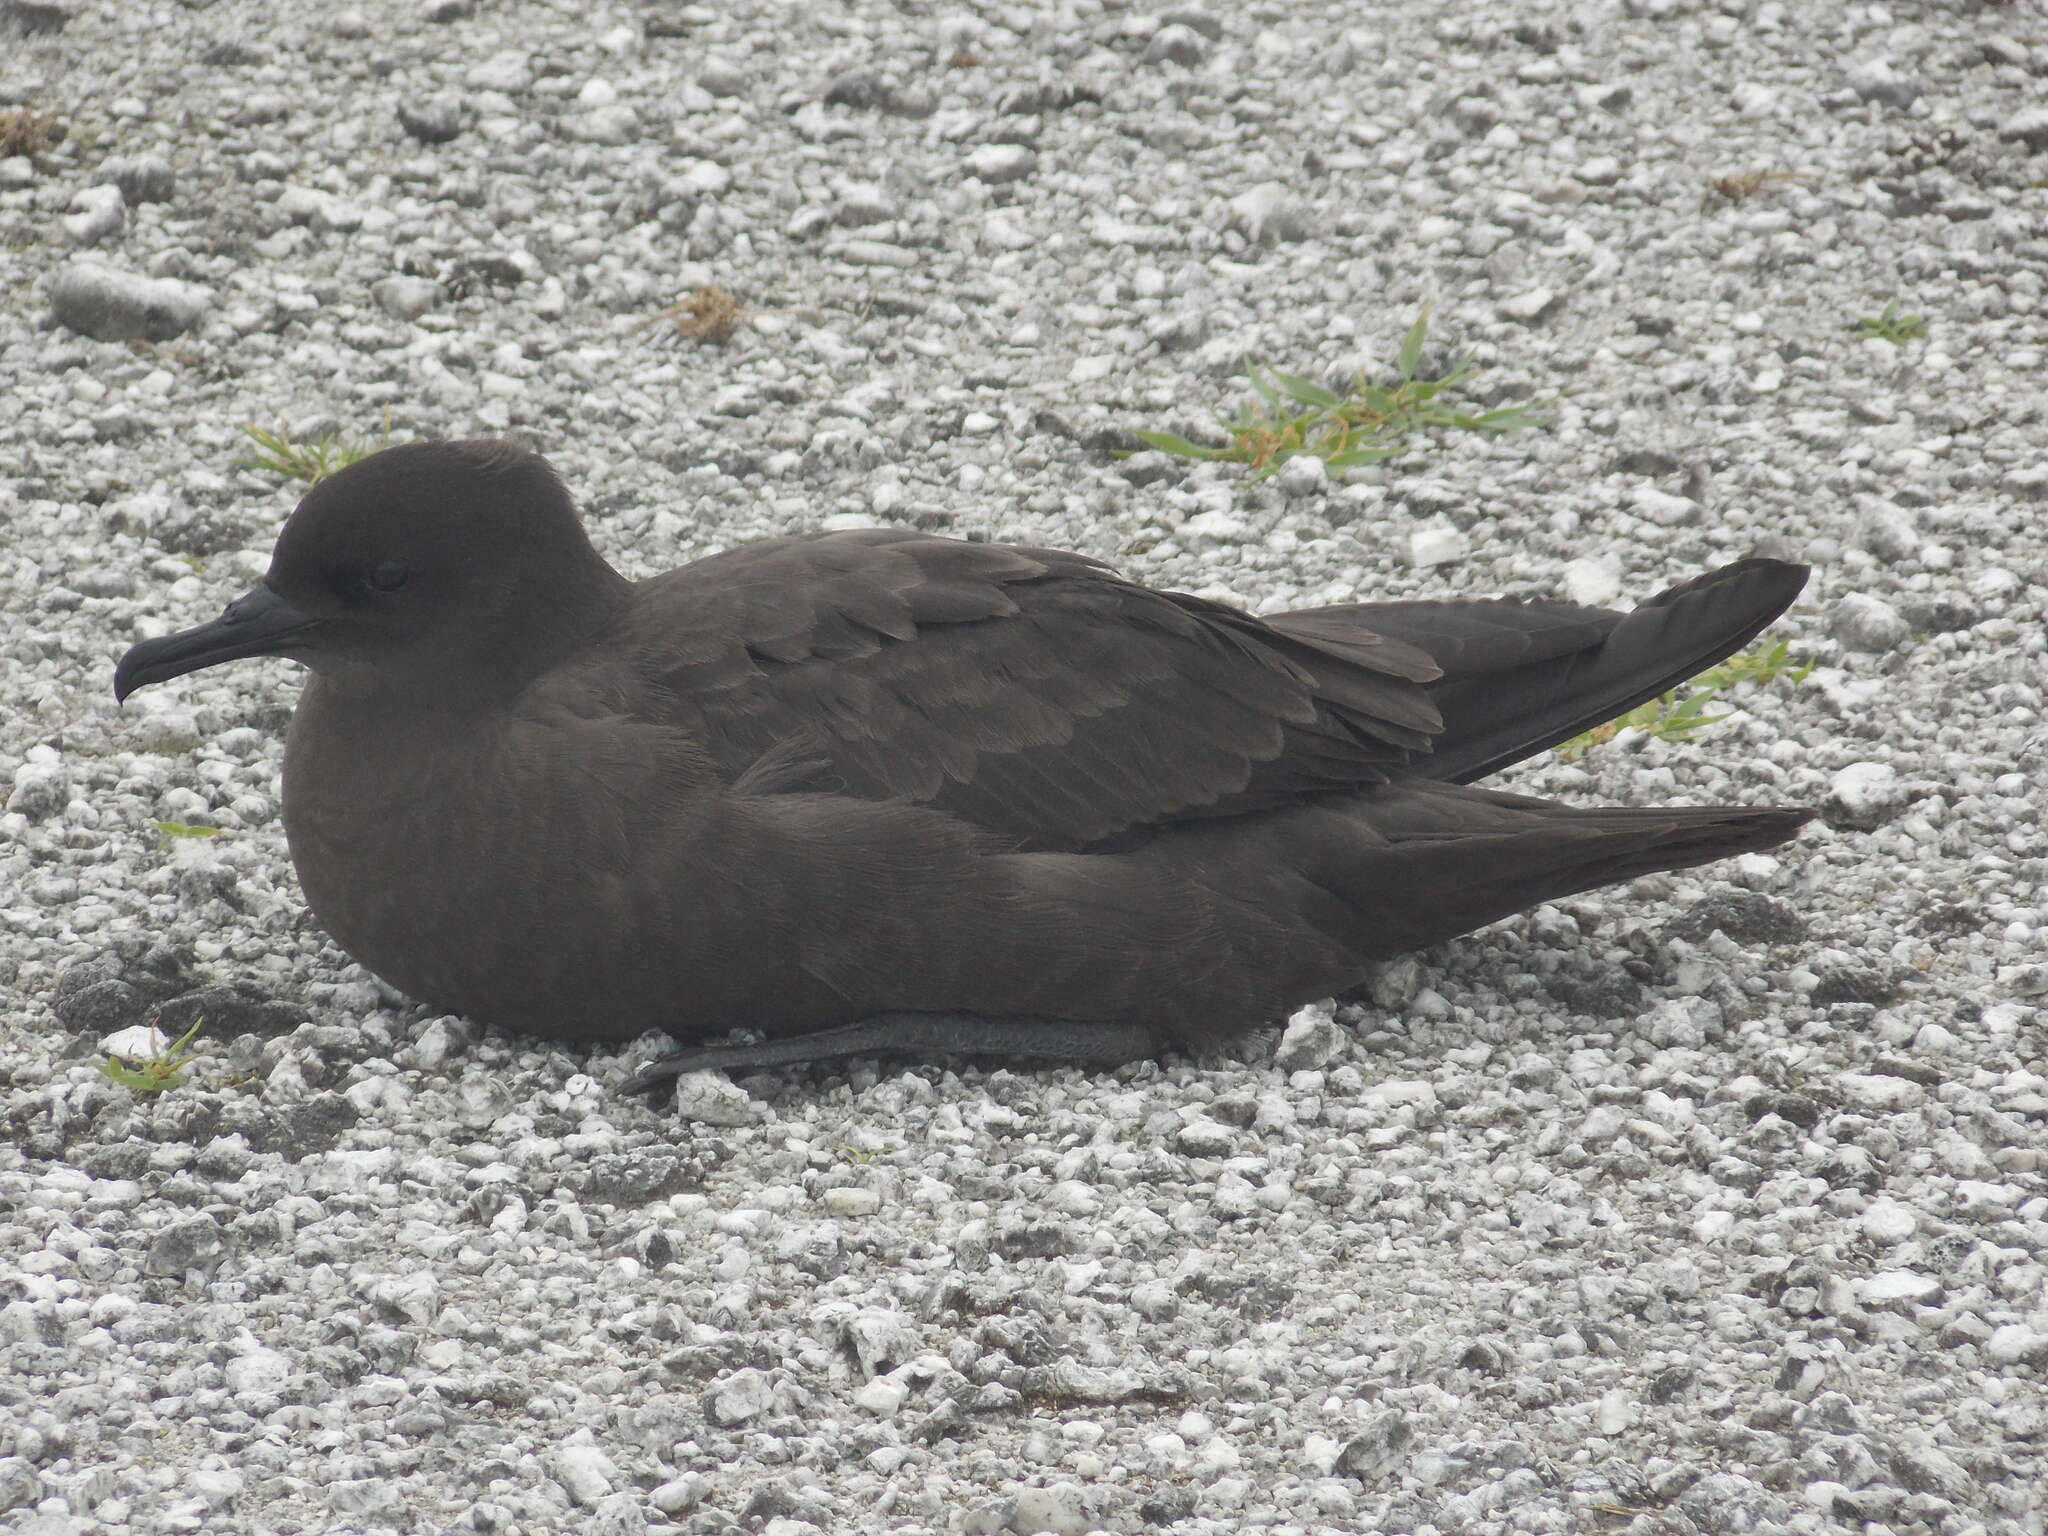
(138, 1042)
(722, 78)
(1000, 163)
(416, 1297)
(605, 125)
(1663, 508)
(710, 1098)
(1876, 1091)
(852, 1202)
(1176, 44)
(510, 72)
(101, 213)
(1216, 528)
(2016, 1344)
(111, 305)
(1616, 1411)
(1203, 1137)
(2028, 126)
(1303, 476)
(741, 1396)
(1592, 583)
(1865, 795)
(1887, 1221)
(1528, 305)
(260, 1370)
(1435, 546)
(1980, 1197)
(1271, 213)
(1058, 1510)
(882, 1397)
(585, 1471)
(680, 1495)
(1895, 1285)
(407, 297)
(1865, 623)
(1311, 1039)
(1713, 1226)
(1398, 1092)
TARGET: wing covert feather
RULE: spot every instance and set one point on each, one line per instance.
(1031, 692)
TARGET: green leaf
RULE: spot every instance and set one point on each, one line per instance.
(1305, 390)
(1180, 447)
(1265, 391)
(176, 829)
(1409, 358)
(1510, 418)
(1379, 400)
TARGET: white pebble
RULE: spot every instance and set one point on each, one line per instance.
(1866, 794)
(2016, 1344)
(585, 1471)
(1887, 1221)
(1892, 1285)
(709, 1098)
(852, 1202)
(1593, 583)
(1000, 163)
(1435, 546)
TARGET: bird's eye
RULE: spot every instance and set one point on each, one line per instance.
(389, 576)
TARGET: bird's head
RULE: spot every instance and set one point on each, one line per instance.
(459, 567)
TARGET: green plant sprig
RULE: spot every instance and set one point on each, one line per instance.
(1682, 713)
(1291, 416)
(173, 831)
(166, 1069)
(312, 461)
(1889, 324)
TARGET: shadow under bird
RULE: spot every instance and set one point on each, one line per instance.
(883, 792)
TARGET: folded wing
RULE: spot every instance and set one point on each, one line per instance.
(1044, 698)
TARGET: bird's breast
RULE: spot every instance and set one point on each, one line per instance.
(485, 870)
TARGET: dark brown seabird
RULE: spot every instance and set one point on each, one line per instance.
(879, 791)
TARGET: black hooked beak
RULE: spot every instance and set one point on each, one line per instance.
(258, 623)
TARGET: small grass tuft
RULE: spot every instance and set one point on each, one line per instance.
(707, 314)
(173, 831)
(166, 1069)
(311, 462)
(1681, 713)
(23, 132)
(1889, 324)
(1290, 416)
(862, 1156)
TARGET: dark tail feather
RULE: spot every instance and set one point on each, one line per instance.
(1490, 877)
(1305, 897)
(1521, 677)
